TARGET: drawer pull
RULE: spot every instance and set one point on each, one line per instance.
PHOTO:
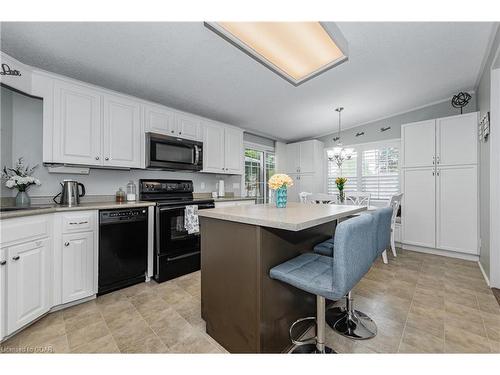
(16, 257)
(3, 262)
(81, 222)
(66, 244)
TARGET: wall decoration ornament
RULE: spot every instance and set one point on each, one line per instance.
(384, 129)
(460, 100)
(7, 71)
(360, 134)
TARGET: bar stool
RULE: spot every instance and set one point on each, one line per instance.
(346, 320)
(330, 277)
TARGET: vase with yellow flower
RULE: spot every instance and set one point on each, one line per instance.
(340, 182)
(279, 183)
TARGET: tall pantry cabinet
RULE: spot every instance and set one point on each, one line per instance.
(440, 183)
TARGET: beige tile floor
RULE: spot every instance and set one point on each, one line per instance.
(421, 303)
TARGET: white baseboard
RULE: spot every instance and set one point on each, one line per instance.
(484, 273)
(445, 253)
(69, 304)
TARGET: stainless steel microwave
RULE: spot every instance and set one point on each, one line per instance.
(172, 153)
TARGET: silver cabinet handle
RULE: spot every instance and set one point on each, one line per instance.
(3, 262)
(83, 222)
(66, 244)
(16, 257)
(433, 160)
(172, 131)
(437, 162)
(180, 133)
(106, 158)
(97, 158)
(433, 173)
(75, 223)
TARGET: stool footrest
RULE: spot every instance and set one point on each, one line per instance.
(297, 342)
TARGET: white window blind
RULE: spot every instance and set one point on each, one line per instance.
(374, 168)
(349, 170)
(380, 172)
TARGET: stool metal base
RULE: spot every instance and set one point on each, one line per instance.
(357, 326)
(311, 349)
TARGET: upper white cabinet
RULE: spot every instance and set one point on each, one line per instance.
(77, 125)
(456, 139)
(419, 142)
(222, 149)
(302, 157)
(159, 120)
(444, 141)
(122, 132)
(28, 280)
(187, 127)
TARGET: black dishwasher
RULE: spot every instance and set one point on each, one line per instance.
(123, 248)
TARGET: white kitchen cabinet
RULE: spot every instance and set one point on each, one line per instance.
(419, 205)
(3, 275)
(187, 127)
(303, 157)
(457, 139)
(222, 149)
(418, 144)
(159, 120)
(457, 209)
(233, 146)
(302, 183)
(77, 125)
(122, 132)
(77, 266)
(28, 280)
(213, 148)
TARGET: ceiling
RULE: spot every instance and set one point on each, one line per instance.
(392, 67)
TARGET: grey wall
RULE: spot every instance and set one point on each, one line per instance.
(372, 129)
(483, 103)
(23, 126)
(5, 134)
(249, 137)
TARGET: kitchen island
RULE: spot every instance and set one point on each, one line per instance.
(244, 309)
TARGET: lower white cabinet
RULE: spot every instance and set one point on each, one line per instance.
(28, 280)
(418, 208)
(457, 210)
(3, 274)
(77, 266)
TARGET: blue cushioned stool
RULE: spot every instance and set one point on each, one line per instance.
(330, 277)
(354, 323)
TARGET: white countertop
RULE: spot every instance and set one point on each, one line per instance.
(46, 209)
(295, 217)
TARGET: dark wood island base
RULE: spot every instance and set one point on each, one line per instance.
(244, 309)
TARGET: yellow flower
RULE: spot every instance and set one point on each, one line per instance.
(340, 180)
(279, 180)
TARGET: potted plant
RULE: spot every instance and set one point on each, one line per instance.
(20, 178)
(340, 182)
(280, 183)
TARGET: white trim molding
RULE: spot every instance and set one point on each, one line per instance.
(494, 274)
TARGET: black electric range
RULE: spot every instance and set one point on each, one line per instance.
(176, 252)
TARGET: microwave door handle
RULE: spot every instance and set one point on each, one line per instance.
(196, 154)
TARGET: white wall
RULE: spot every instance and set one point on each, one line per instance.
(25, 128)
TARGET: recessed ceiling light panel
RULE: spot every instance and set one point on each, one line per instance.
(297, 51)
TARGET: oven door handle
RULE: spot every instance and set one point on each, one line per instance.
(200, 207)
(183, 256)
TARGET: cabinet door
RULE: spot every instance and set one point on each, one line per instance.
(233, 155)
(293, 158)
(3, 269)
(307, 163)
(122, 132)
(457, 140)
(77, 266)
(28, 283)
(213, 148)
(456, 210)
(187, 126)
(307, 183)
(77, 125)
(418, 141)
(419, 207)
(159, 120)
(293, 191)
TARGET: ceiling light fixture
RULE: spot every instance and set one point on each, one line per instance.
(339, 154)
(297, 51)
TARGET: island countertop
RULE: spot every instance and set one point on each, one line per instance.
(294, 217)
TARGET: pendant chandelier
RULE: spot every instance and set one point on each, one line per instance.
(339, 154)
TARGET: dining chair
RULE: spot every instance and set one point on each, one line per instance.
(358, 199)
(321, 198)
(395, 203)
(303, 196)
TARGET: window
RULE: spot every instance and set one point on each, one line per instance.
(259, 167)
(374, 168)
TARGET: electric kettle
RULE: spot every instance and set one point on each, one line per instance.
(70, 194)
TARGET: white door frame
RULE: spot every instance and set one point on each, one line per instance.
(495, 179)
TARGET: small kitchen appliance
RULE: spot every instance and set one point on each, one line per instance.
(70, 193)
